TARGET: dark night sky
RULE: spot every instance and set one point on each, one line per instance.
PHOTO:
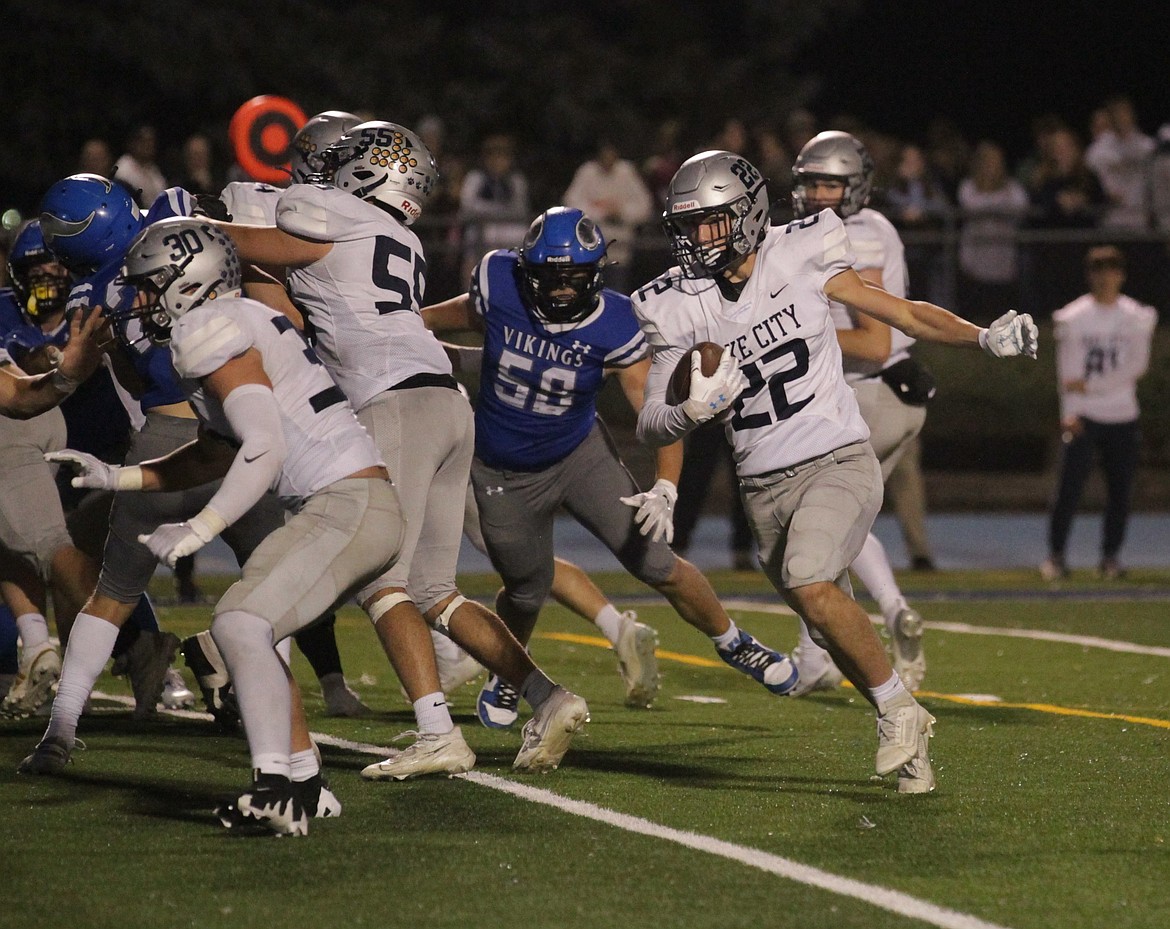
(993, 66)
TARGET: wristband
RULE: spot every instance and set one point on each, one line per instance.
(62, 382)
(128, 477)
(207, 524)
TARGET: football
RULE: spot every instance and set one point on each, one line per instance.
(679, 387)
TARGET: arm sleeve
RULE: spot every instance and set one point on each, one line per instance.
(659, 423)
(254, 416)
(1069, 367)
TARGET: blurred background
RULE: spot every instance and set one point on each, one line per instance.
(520, 95)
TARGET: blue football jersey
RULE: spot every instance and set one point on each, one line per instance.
(151, 362)
(539, 383)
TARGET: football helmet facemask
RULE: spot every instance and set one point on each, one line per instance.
(384, 164)
(308, 145)
(560, 265)
(832, 156)
(175, 265)
(41, 283)
(716, 212)
(88, 221)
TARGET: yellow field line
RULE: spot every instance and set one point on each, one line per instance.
(1051, 709)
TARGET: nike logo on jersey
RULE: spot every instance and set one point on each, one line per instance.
(492, 491)
(777, 293)
(248, 460)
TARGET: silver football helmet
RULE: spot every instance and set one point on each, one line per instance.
(833, 156)
(384, 164)
(309, 144)
(175, 265)
(716, 212)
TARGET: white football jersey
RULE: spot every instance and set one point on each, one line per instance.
(798, 405)
(251, 203)
(325, 441)
(363, 298)
(876, 244)
(1107, 347)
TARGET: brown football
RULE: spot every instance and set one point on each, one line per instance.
(679, 387)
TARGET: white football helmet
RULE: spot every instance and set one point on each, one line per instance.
(715, 188)
(308, 145)
(384, 164)
(833, 156)
(175, 265)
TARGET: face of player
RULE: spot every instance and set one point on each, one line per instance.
(822, 193)
(48, 288)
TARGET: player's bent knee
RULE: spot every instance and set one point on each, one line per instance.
(442, 622)
(378, 607)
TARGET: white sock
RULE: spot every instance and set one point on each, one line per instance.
(91, 642)
(34, 631)
(872, 567)
(724, 642)
(245, 641)
(809, 648)
(432, 714)
(304, 764)
(888, 692)
(609, 622)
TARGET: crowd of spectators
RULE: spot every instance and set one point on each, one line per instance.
(1107, 176)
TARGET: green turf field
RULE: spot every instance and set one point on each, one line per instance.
(1052, 756)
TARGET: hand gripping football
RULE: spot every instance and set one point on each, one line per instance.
(679, 387)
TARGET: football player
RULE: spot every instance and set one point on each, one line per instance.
(552, 335)
(95, 422)
(810, 480)
(357, 271)
(270, 417)
(834, 172)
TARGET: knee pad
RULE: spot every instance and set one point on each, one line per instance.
(384, 605)
(442, 622)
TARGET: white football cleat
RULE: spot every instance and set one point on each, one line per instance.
(549, 733)
(637, 660)
(432, 753)
(33, 686)
(899, 729)
(817, 671)
(909, 658)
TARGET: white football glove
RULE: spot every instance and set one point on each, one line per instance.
(172, 541)
(655, 515)
(710, 396)
(94, 473)
(1011, 334)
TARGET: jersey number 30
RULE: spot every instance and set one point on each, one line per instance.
(782, 406)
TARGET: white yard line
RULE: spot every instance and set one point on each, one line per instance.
(872, 894)
(1084, 641)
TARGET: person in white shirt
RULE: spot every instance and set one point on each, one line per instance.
(1103, 341)
(810, 480)
(1122, 157)
(136, 169)
(609, 189)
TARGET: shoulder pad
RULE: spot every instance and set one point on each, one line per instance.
(204, 340)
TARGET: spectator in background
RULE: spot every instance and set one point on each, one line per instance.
(198, 176)
(775, 163)
(1122, 155)
(992, 205)
(665, 157)
(949, 154)
(95, 158)
(493, 202)
(1065, 194)
(799, 126)
(438, 229)
(916, 202)
(609, 190)
(1103, 343)
(1160, 181)
(136, 169)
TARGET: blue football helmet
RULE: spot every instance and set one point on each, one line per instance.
(88, 221)
(560, 265)
(39, 281)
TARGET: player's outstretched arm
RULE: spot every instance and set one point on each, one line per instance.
(270, 247)
(454, 315)
(1011, 334)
